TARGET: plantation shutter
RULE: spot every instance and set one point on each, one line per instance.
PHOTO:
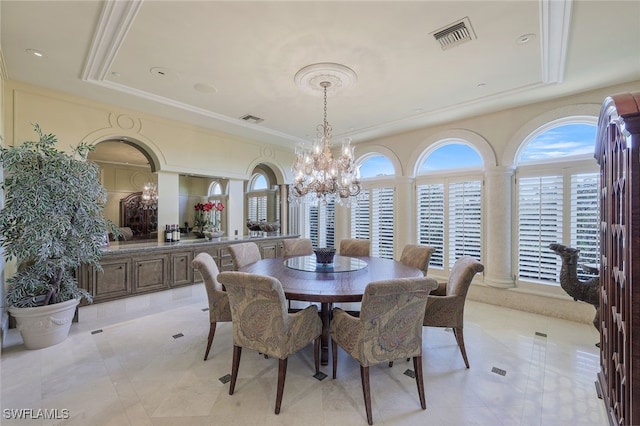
(585, 218)
(382, 206)
(321, 228)
(430, 220)
(465, 220)
(360, 217)
(539, 224)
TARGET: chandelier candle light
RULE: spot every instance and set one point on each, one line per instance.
(150, 196)
(318, 176)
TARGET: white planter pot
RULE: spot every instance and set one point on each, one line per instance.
(44, 326)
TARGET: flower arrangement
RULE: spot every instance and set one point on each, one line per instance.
(207, 215)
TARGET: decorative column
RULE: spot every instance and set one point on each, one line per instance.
(498, 219)
(404, 214)
(168, 201)
(235, 209)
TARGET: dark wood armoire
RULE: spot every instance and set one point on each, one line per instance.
(618, 153)
(141, 217)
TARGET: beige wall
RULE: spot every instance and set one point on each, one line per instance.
(179, 149)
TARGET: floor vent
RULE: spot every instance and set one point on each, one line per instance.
(252, 119)
(455, 34)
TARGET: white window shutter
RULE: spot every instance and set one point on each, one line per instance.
(540, 206)
(382, 206)
(585, 218)
(430, 220)
(465, 220)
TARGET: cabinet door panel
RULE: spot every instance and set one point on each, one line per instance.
(150, 274)
(113, 281)
(181, 270)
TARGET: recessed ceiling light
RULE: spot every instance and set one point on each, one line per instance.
(482, 84)
(418, 110)
(35, 52)
(526, 38)
(163, 72)
(115, 74)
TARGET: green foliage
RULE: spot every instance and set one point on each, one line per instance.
(53, 220)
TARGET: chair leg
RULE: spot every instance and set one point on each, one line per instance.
(282, 374)
(417, 367)
(366, 390)
(334, 355)
(212, 332)
(316, 354)
(237, 352)
(390, 364)
(460, 339)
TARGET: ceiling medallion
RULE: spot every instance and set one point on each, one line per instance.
(311, 78)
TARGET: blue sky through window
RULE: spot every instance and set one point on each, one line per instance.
(562, 141)
(451, 156)
(376, 166)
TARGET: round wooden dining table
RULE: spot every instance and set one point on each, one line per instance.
(343, 281)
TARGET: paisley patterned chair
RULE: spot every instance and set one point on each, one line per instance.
(417, 256)
(261, 322)
(389, 328)
(445, 306)
(355, 247)
(244, 254)
(219, 310)
(297, 247)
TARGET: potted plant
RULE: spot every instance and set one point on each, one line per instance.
(52, 222)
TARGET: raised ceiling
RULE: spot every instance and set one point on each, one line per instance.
(210, 63)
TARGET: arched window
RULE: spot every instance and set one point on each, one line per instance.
(372, 215)
(557, 194)
(449, 202)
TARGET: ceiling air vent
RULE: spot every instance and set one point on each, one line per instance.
(455, 34)
(252, 119)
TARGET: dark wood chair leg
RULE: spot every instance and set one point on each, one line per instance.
(417, 367)
(366, 390)
(334, 355)
(282, 374)
(390, 364)
(237, 352)
(316, 354)
(212, 332)
(460, 339)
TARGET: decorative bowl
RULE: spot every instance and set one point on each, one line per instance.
(209, 235)
(324, 255)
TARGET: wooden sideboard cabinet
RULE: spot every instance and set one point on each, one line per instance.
(618, 154)
(129, 269)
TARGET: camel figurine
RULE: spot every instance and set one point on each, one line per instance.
(586, 291)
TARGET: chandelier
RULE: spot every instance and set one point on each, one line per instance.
(150, 196)
(318, 176)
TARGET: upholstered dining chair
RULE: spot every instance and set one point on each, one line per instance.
(418, 256)
(355, 247)
(389, 328)
(261, 322)
(219, 310)
(445, 305)
(243, 254)
(297, 246)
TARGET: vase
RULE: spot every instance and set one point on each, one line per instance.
(44, 326)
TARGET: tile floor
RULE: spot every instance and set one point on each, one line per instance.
(139, 362)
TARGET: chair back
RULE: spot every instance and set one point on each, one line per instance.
(417, 256)
(355, 247)
(391, 314)
(463, 271)
(297, 247)
(218, 299)
(258, 310)
(244, 254)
